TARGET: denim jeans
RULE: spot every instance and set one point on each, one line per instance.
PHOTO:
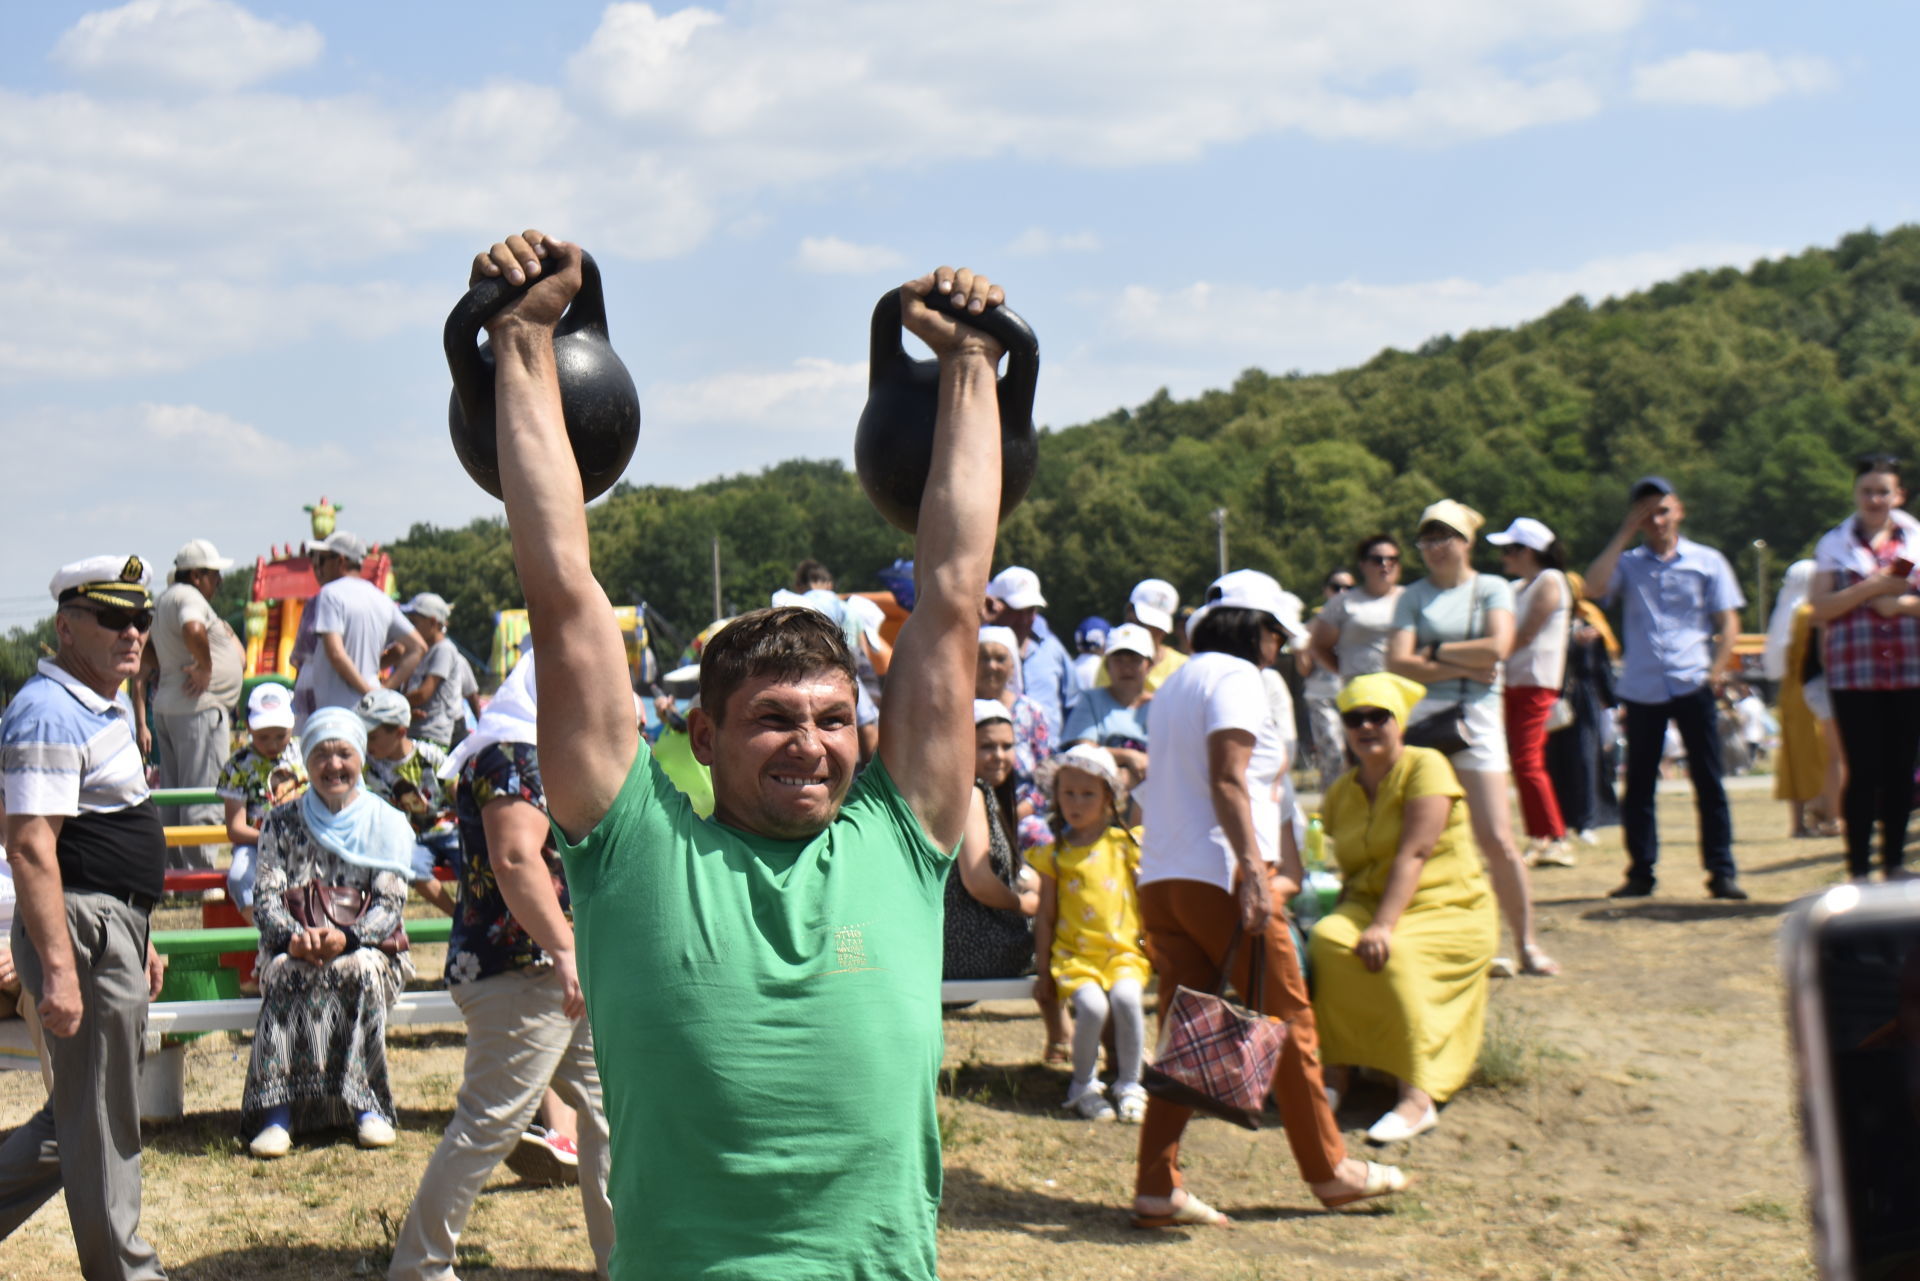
(1698, 720)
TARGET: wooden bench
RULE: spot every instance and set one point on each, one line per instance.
(163, 1080)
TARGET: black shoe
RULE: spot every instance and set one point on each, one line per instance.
(1633, 888)
(1725, 887)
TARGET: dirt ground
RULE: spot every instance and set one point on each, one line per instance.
(1634, 1121)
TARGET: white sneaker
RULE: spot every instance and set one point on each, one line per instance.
(1132, 1105)
(1588, 836)
(375, 1132)
(1554, 854)
(1091, 1103)
(271, 1143)
(1391, 1128)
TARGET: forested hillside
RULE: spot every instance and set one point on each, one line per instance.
(1751, 390)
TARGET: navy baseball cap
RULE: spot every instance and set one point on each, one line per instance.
(1649, 487)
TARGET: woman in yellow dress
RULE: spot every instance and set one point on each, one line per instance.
(1401, 965)
(1805, 774)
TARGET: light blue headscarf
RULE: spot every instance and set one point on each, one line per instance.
(366, 831)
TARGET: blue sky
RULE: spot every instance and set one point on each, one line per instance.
(233, 231)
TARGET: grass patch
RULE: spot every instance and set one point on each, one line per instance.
(1513, 1053)
(1768, 1211)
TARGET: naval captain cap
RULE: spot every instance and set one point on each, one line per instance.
(119, 582)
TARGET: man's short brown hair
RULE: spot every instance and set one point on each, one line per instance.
(787, 643)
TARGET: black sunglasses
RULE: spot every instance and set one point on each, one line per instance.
(1363, 717)
(118, 620)
(1380, 560)
(1866, 463)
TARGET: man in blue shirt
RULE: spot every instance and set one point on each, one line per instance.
(1680, 615)
(1014, 600)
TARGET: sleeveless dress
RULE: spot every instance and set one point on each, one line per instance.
(987, 942)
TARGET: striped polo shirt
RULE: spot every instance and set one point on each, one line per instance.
(67, 752)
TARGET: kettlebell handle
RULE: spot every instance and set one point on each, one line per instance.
(1002, 324)
(490, 296)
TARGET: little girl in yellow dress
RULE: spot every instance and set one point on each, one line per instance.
(1086, 937)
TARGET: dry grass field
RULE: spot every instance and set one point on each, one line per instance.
(1633, 1120)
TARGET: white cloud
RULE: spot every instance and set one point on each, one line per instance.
(1038, 242)
(1322, 327)
(811, 392)
(188, 44)
(792, 92)
(1710, 78)
(830, 255)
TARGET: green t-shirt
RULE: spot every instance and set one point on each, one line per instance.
(766, 1017)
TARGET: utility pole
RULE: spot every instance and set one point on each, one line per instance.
(1760, 580)
(718, 612)
(1220, 535)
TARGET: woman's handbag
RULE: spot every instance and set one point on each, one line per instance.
(1214, 1056)
(338, 907)
(1445, 731)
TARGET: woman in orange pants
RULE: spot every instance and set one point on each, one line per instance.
(1218, 821)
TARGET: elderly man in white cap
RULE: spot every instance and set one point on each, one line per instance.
(352, 622)
(1014, 600)
(88, 854)
(443, 680)
(199, 663)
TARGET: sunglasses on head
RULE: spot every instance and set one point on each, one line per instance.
(1365, 717)
(118, 620)
(1868, 463)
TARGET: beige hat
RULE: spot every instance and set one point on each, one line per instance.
(1457, 516)
(200, 554)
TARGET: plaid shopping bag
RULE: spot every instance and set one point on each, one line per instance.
(1214, 1056)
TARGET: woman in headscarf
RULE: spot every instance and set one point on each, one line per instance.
(1401, 965)
(326, 981)
(1577, 760)
(999, 679)
(1806, 775)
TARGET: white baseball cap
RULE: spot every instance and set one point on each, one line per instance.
(1017, 587)
(341, 544)
(1251, 589)
(270, 706)
(429, 605)
(1524, 532)
(200, 554)
(1130, 638)
(1154, 601)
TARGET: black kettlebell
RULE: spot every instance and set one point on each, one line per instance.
(893, 448)
(597, 396)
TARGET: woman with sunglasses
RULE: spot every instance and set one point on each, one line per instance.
(1864, 592)
(1400, 967)
(1349, 635)
(1452, 631)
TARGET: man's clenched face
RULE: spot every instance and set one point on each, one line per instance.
(784, 754)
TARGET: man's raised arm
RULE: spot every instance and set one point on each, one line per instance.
(587, 731)
(926, 732)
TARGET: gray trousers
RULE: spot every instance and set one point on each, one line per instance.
(94, 1111)
(193, 748)
(518, 1042)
